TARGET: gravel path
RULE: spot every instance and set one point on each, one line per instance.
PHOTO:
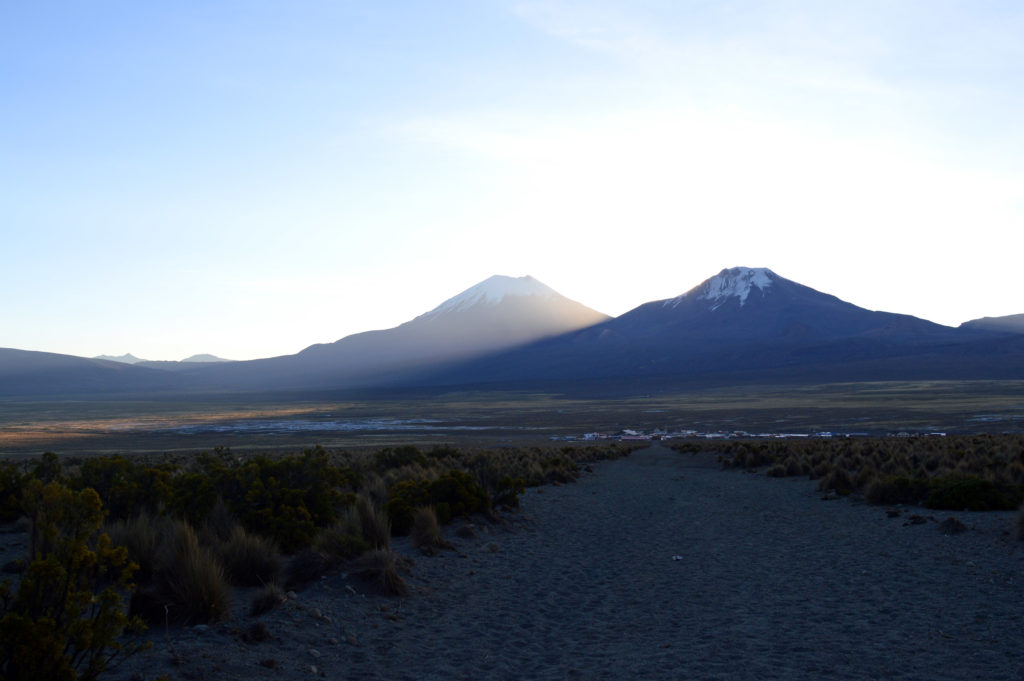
(657, 566)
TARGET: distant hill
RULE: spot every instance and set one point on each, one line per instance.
(124, 359)
(1009, 324)
(47, 374)
(187, 364)
(205, 358)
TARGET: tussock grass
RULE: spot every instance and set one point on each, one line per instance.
(266, 599)
(426, 530)
(374, 523)
(380, 568)
(249, 559)
(143, 536)
(191, 580)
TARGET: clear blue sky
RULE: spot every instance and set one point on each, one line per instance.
(249, 178)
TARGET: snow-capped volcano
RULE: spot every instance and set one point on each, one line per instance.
(496, 314)
(499, 311)
(495, 289)
(734, 282)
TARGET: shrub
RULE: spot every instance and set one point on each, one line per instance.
(48, 469)
(969, 494)
(508, 491)
(289, 498)
(404, 497)
(838, 481)
(455, 493)
(126, 488)
(406, 455)
(12, 481)
(249, 559)
(896, 490)
(343, 540)
(794, 467)
(64, 619)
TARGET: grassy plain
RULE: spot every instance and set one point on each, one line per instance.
(497, 418)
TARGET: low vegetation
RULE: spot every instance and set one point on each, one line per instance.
(165, 542)
(64, 619)
(977, 473)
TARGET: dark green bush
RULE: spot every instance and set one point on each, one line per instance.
(508, 491)
(343, 540)
(12, 481)
(127, 489)
(285, 499)
(48, 468)
(456, 493)
(403, 499)
(968, 494)
(341, 546)
(64, 620)
(194, 494)
(896, 490)
(397, 457)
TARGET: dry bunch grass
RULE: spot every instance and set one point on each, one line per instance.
(380, 567)
(249, 559)
(374, 523)
(266, 599)
(191, 579)
(143, 536)
(426, 530)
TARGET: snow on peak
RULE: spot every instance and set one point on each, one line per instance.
(493, 290)
(735, 282)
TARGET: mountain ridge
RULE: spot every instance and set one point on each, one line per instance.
(739, 325)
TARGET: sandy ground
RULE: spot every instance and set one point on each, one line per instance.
(657, 566)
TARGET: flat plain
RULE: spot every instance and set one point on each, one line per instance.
(151, 424)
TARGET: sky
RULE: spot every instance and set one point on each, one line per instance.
(249, 178)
